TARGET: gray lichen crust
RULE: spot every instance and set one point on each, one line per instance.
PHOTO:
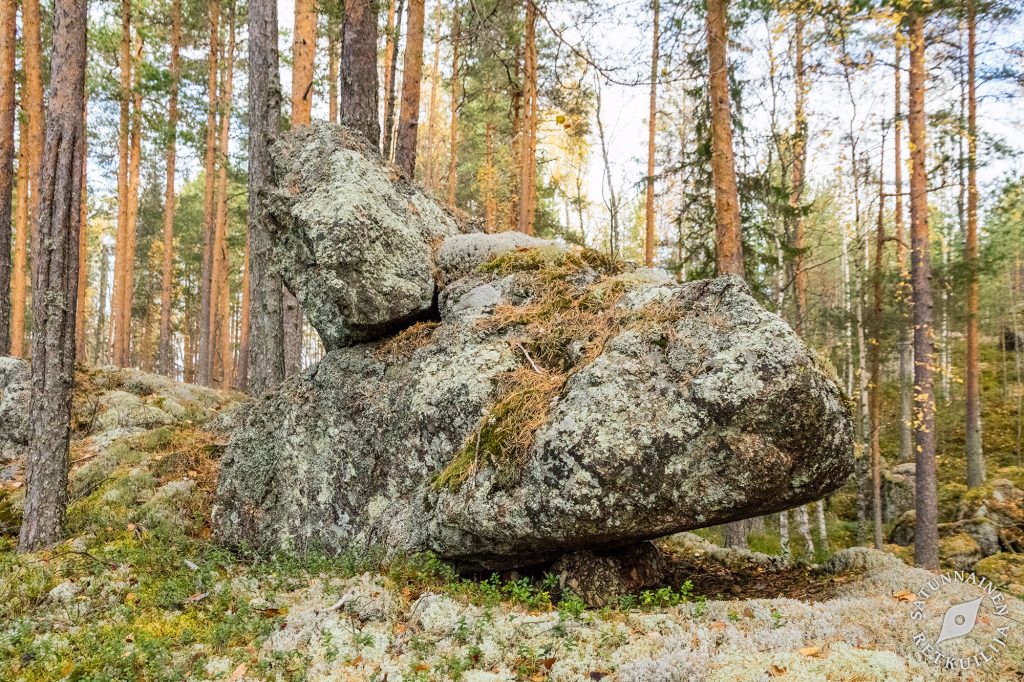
(698, 407)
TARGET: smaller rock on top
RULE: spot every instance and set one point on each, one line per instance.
(354, 239)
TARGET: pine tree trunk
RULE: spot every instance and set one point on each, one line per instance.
(729, 243)
(926, 535)
(123, 162)
(266, 328)
(903, 294)
(209, 191)
(242, 368)
(651, 136)
(83, 272)
(132, 213)
(99, 349)
(489, 181)
(430, 163)
(167, 270)
(333, 30)
(528, 124)
(409, 116)
(19, 268)
(453, 147)
(55, 281)
(8, 23)
(784, 534)
(391, 68)
(796, 184)
(359, 68)
(390, 49)
(220, 337)
(875, 361)
(975, 454)
(36, 121)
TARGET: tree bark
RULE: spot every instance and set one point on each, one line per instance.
(430, 163)
(359, 69)
(391, 67)
(390, 52)
(796, 184)
(123, 163)
(903, 294)
(220, 337)
(83, 278)
(209, 191)
(528, 124)
(132, 214)
(926, 535)
(975, 453)
(8, 23)
(453, 148)
(409, 116)
(651, 136)
(99, 349)
(166, 283)
(33, 65)
(875, 362)
(729, 243)
(266, 329)
(55, 281)
(489, 181)
(333, 30)
(19, 283)
(242, 368)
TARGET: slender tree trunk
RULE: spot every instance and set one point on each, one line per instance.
(729, 251)
(132, 213)
(33, 66)
(266, 328)
(19, 283)
(975, 454)
(796, 185)
(359, 68)
(453, 148)
(242, 368)
(652, 127)
(803, 526)
(99, 350)
(926, 536)
(55, 281)
(875, 361)
(430, 163)
(489, 181)
(302, 85)
(83, 272)
(390, 51)
(166, 284)
(784, 534)
(209, 191)
(528, 123)
(903, 294)
(391, 66)
(123, 163)
(8, 23)
(333, 30)
(220, 337)
(409, 116)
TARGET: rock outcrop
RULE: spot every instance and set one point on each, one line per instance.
(556, 401)
(15, 388)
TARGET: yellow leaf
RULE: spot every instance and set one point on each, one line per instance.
(717, 625)
(811, 652)
(776, 670)
(903, 595)
(238, 672)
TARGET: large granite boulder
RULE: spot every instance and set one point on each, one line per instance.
(557, 402)
(353, 238)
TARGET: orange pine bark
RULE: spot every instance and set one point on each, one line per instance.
(36, 120)
(651, 134)
(528, 129)
(409, 117)
(19, 281)
(209, 190)
(124, 132)
(166, 358)
(453, 149)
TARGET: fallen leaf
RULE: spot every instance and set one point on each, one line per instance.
(399, 628)
(422, 667)
(717, 625)
(748, 612)
(130, 637)
(903, 595)
(811, 652)
(776, 670)
(273, 612)
(131, 527)
(539, 677)
(548, 662)
(198, 596)
(239, 672)
(130, 598)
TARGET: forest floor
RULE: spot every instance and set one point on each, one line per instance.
(139, 591)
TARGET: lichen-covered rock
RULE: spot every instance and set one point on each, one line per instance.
(559, 405)
(959, 551)
(897, 491)
(599, 577)
(15, 389)
(1004, 569)
(353, 239)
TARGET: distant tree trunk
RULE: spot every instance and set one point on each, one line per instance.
(651, 136)
(926, 535)
(55, 281)
(359, 69)
(803, 526)
(489, 181)
(784, 534)
(19, 283)
(99, 349)
(796, 185)
(391, 67)
(453, 149)
(132, 214)
(33, 66)
(304, 49)
(729, 242)
(8, 36)
(83, 278)
(209, 191)
(166, 284)
(903, 294)
(430, 163)
(975, 454)
(333, 29)
(409, 116)
(528, 124)
(123, 163)
(266, 328)
(220, 337)
(242, 368)
(875, 360)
